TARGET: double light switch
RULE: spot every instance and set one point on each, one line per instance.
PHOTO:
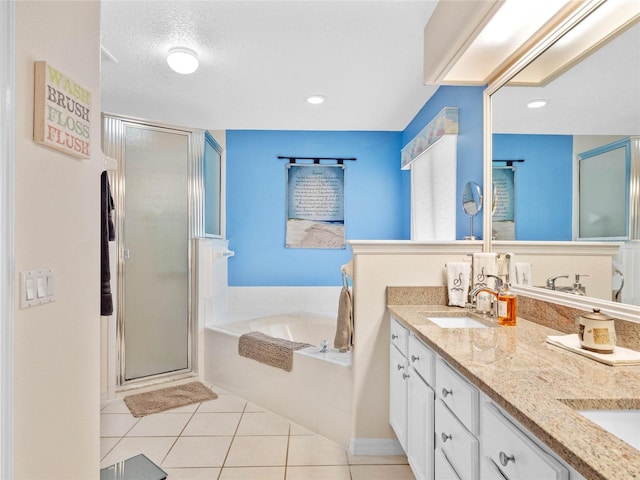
(37, 287)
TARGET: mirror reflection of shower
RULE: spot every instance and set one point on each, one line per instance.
(471, 204)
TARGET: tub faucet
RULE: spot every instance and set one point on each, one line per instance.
(324, 344)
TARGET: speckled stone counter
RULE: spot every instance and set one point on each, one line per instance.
(540, 385)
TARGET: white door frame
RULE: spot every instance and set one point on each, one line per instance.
(7, 169)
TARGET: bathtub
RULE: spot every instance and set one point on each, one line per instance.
(316, 394)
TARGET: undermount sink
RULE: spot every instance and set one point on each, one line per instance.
(624, 424)
(457, 322)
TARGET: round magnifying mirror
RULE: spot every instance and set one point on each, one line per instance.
(471, 204)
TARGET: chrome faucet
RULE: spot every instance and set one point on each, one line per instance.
(483, 288)
(551, 281)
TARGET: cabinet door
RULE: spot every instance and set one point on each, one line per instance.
(443, 469)
(398, 374)
(455, 441)
(421, 427)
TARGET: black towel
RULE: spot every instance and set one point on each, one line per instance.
(107, 232)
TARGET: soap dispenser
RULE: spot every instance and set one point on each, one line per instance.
(507, 305)
(578, 288)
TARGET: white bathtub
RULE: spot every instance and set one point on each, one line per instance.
(315, 394)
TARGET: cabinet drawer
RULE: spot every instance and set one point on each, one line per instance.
(423, 359)
(517, 456)
(444, 470)
(458, 394)
(399, 336)
(459, 446)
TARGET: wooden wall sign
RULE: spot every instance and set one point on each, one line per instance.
(61, 115)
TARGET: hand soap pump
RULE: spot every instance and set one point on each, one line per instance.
(507, 305)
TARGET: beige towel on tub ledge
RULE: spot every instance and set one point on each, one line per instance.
(276, 352)
(344, 327)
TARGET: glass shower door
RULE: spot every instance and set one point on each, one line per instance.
(155, 236)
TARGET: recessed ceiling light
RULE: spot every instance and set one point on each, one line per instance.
(182, 60)
(537, 104)
(315, 99)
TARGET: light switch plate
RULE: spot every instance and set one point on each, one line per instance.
(37, 287)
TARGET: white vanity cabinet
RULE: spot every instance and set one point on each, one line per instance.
(508, 451)
(452, 431)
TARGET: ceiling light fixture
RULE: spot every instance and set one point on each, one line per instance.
(315, 99)
(182, 60)
(537, 104)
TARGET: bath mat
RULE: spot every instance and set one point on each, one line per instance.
(276, 352)
(142, 404)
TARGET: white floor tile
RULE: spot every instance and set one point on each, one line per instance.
(224, 403)
(299, 430)
(263, 423)
(197, 452)
(252, 407)
(252, 473)
(202, 424)
(116, 406)
(257, 451)
(106, 444)
(155, 448)
(331, 472)
(315, 450)
(160, 425)
(192, 473)
(116, 424)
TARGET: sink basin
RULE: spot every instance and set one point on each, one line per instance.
(457, 322)
(624, 424)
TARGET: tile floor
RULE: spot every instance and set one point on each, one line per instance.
(232, 439)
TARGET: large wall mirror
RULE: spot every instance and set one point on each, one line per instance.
(587, 100)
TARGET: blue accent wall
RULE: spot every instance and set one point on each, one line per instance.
(256, 197)
(543, 183)
(470, 147)
(377, 192)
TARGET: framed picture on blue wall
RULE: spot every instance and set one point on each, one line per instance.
(315, 206)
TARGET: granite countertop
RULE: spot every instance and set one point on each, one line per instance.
(540, 385)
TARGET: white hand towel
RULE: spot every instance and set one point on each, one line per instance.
(523, 273)
(620, 355)
(458, 282)
(484, 264)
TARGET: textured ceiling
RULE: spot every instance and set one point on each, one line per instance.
(259, 60)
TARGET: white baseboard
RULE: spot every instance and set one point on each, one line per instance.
(375, 446)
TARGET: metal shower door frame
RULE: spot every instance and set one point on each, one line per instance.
(113, 135)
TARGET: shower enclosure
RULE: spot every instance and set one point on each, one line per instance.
(158, 193)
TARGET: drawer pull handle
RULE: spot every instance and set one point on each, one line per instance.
(446, 393)
(405, 376)
(414, 358)
(400, 366)
(394, 336)
(505, 459)
(445, 437)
